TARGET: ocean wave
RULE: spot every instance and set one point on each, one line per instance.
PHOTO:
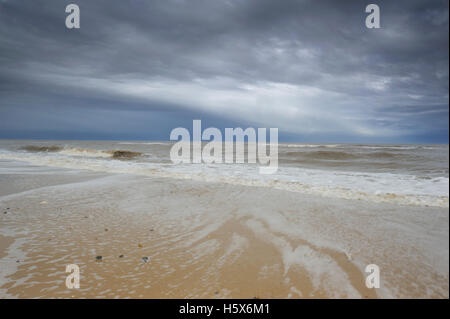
(145, 143)
(85, 152)
(310, 145)
(82, 152)
(37, 149)
(374, 187)
(300, 156)
(397, 147)
(363, 146)
(124, 154)
(330, 155)
(384, 155)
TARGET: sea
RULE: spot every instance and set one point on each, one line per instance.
(404, 174)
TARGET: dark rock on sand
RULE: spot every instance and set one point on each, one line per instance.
(99, 257)
(145, 259)
(120, 256)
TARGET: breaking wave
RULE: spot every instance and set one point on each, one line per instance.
(297, 156)
(125, 154)
(82, 152)
(375, 187)
(329, 155)
(36, 149)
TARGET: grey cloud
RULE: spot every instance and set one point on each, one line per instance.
(304, 66)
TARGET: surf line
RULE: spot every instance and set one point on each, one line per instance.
(235, 138)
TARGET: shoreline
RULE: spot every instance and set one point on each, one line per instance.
(213, 240)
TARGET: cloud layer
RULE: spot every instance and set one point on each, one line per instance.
(310, 68)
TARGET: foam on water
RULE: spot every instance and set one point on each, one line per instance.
(74, 151)
(405, 189)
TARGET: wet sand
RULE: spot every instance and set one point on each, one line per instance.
(5, 242)
(213, 240)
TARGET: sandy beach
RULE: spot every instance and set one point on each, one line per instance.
(178, 238)
(224, 150)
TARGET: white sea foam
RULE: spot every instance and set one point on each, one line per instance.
(73, 151)
(378, 187)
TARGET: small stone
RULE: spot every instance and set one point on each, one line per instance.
(145, 259)
(216, 292)
(106, 229)
(4, 212)
(99, 258)
(17, 261)
(140, 245)
(151, 229)
(120, 256)
(7, 208)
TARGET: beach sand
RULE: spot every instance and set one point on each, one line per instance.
(211, 240)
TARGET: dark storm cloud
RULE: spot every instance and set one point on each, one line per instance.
(311, 68)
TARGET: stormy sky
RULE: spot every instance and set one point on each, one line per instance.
(136, 69)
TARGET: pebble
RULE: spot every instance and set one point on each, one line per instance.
(121, 256)
(99, 257)
(145, 259)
